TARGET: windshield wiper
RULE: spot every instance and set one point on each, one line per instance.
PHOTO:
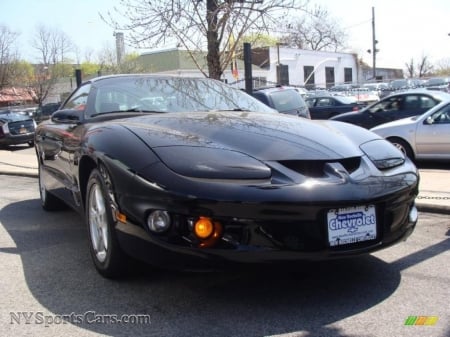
(235, 109)
(122, 111)
(142, 110)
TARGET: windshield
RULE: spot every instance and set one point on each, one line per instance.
(285, 100)
(167, 94)
(12, 116)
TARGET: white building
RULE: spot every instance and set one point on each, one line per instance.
(310, 68)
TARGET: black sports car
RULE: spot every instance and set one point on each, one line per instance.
(191, 173)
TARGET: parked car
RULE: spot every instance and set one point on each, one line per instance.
(343, 87)
(16, 128)
(216, 177)
(395, 106)
(325, 107)
(438, 83)
(380, 88)
(364, 96)
(399, 85)
(27, 111)
(376, 86)
(421, 137)
(287, 100)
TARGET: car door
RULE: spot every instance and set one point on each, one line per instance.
(382, 112)
(56, 143)
(322, 108)
(433, 135)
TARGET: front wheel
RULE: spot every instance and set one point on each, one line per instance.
(108, 258)
(403, 146)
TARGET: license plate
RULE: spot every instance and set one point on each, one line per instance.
(352, 224)
(22, 130)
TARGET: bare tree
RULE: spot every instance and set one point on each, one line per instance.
(109, 64)
(317, 31)
(410, 68)
(422, 68)
(198, 25)
(442, 67)
(52, 45)
(8, 55)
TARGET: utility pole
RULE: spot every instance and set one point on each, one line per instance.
(374, 46)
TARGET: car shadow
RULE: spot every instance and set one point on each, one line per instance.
(432, 164)
(53, 249)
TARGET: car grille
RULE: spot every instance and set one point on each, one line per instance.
(316, 168)
(21, 127)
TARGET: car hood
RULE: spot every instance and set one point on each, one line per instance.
(262, 136)
(349, 114)
(397, 123)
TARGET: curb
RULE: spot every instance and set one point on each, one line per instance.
(427, 208)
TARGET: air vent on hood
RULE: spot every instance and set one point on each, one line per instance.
(316, 168)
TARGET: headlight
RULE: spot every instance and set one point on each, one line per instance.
(212, 163)
(158, 221)
(383, 154)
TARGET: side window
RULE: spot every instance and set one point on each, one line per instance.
(78, 100)
(392, 104)
(323, 102)
(442, 116)
(412, 103)
(427, 102)
(396, 104)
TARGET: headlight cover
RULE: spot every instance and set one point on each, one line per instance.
(383, 154)
(212, 163)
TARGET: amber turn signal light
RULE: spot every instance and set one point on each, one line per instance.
(208, 231)
(203, 227)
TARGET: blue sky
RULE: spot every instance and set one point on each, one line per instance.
(405, 29)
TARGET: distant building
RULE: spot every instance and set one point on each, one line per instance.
(14, 96)
(175, 61)
(273, 65)
(321, 69)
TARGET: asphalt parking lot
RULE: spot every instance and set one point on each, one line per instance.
(49, 287)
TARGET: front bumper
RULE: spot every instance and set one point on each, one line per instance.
(17, 139)
(262, 223)
(265, 240)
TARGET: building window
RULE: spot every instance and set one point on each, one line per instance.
(308, 79)
(329, 76)
(348, 75)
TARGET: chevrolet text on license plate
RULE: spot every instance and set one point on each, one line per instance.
(351, 224)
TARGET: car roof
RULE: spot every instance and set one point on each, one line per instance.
(156, 76)
(434, 93)
(275, 88)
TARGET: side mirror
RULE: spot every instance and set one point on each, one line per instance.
(429, 120)
(67, 116)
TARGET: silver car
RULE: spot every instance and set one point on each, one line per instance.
(426, 136)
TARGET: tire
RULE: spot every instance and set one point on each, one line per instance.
(108, 258)
(31, 143)
(49, 202)
(403, 146)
